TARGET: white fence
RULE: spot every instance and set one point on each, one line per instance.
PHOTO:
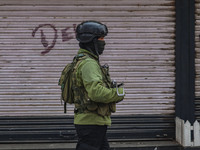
(186, 134)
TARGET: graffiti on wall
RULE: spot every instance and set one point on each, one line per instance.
(48, 46)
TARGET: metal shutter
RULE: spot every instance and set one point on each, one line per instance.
(140, 52)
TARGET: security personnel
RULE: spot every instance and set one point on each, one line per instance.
(95, 95)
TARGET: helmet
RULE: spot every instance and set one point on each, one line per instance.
(88, 30)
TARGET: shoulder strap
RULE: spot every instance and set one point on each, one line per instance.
(78, 58)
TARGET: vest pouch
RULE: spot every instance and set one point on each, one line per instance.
(106, 76)
(91, 106)
(112, 107)
(103, 109)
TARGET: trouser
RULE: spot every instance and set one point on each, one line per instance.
(92, 137)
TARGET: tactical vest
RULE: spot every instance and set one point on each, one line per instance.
(82, 102)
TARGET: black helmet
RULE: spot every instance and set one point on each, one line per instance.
(88, 30)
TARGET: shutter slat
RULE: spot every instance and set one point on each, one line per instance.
(139, 50)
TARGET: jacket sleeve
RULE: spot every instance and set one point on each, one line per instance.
(93, 83)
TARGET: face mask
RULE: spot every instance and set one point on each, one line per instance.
(100, 45)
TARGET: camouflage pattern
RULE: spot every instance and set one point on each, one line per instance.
(83, 103)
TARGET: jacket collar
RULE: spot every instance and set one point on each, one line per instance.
(84, 51)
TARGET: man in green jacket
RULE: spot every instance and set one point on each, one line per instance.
(95, 95)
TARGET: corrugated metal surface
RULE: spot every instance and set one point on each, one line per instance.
(61, 129)
(197, 59)
(139, 50)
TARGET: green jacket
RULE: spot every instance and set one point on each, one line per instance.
(90, 76)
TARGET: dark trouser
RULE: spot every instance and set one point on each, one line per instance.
(92, 137)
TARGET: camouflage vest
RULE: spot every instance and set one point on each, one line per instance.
(81, 100)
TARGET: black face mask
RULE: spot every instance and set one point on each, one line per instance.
(100, 45)
(87, 46)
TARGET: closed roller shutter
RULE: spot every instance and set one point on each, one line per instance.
(139, 50)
